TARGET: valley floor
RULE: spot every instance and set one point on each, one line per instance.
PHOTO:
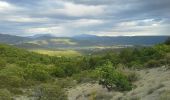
(153, 84)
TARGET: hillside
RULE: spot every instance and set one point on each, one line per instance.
(28, 75)
(10, 39)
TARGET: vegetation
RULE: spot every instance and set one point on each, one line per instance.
(111, 78)
(5, 94)
(49, 92)
(167, 42)
(47, 77)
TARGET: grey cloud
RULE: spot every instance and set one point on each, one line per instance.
(115, 12)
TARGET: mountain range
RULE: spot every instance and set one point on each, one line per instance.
(83, 40)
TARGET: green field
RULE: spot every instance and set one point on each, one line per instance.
(65, 53)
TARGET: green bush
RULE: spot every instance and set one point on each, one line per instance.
(112, 78)
(12, 70)
(11, 81)
(58, 72)
(36, 72)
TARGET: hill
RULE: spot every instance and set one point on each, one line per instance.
(48, 41)
(10, 39)
(28, 75)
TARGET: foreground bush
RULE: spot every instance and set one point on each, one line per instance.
(113, 79)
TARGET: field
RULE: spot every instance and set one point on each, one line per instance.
(65, 53)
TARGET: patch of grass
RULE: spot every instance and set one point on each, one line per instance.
(66, 53)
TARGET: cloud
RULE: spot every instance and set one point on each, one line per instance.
(5, 6)
(44, 30)
(72, 9)
(70, 17)
(85, 23)
(23, 19)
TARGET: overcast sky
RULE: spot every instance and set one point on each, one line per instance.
(73, 17)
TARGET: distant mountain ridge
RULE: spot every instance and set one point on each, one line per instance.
(11, 39)
(125, 40)
(83, 40)
(84, 36)
(42, 36)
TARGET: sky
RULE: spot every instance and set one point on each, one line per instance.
(75, 17)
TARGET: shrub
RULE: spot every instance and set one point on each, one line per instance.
(5, 94)
(152, 63)
(167, 57)
(50, 92)
(12, 70)
(167, 42)
(58, 72)
(86, 76)
(10, 81)
(36, 72)
(2, 63)
(133, 77)
(135, 65)
(112, 78)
